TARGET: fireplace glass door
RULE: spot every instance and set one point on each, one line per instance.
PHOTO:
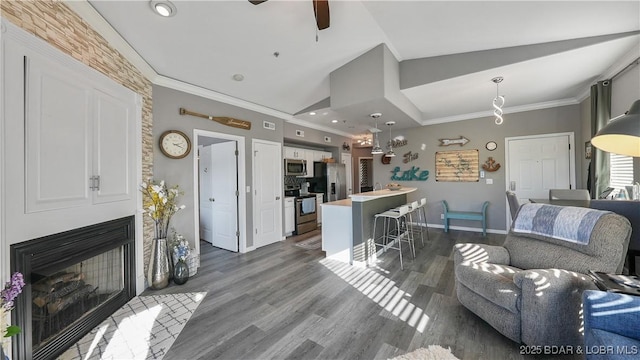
(61, 299)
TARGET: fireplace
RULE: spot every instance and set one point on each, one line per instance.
(74, 280)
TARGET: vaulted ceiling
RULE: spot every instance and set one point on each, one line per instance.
(416, 62)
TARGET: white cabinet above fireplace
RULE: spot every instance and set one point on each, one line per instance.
(71, 142)
(78, 140)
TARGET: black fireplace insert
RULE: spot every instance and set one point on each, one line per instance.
(74, 280)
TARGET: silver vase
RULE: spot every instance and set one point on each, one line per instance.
(158, 273)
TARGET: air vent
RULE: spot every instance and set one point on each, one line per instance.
(269, 125)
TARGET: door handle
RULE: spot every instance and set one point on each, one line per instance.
(277, 197)
(212, 199)
(512, 186)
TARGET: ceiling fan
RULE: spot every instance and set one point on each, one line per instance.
(320, 9)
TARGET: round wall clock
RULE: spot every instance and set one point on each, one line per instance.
(175, 144)
(491, 145)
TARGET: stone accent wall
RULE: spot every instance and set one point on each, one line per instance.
(55, 23)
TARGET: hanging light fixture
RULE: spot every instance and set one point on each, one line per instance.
(622, 134)
(498, 101)
(390, 153)
(376, 150)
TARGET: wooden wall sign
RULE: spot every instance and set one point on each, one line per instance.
(228, 121)
(459, 141)
(413, 174)
(457, 166)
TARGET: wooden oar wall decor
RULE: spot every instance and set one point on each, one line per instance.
(228, 121)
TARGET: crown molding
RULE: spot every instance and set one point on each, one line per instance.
(509, 110)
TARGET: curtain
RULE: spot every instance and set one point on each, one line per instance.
(600, 116)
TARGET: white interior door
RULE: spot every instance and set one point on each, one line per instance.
(346, 160)
(220, 196)
(206, 210)
(539, 163)
(225, 195)
(267, 191)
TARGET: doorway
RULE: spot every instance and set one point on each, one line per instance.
(538, 163)
(365, 174)
(220, 217)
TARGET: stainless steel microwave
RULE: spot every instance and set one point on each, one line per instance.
(295, 167)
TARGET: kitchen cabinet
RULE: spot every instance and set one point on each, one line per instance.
(309, 157)
(321, 155)
(289, 215)
(294, 153)
(319, 200)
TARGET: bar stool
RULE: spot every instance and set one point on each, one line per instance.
(422, 216)
(414, 208)
(400, 232)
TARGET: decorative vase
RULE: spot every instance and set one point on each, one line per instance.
(170, 261)
(158, 273)
(181, 272)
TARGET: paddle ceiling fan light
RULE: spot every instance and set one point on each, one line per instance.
(320, 12)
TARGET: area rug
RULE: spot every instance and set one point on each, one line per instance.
(144, 328)
(433, 352)
(311, 243)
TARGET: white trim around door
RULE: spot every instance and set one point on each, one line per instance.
(242, 196)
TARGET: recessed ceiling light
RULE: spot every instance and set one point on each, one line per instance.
(334, 121)
(163, 8)
(312, 113)
(238, 77)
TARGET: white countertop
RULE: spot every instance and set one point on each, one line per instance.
(372, 195)
(343, 202)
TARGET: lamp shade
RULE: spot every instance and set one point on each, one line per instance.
(622, 134)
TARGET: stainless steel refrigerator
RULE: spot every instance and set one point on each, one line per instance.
(330, 179)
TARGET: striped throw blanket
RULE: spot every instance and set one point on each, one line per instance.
(567, 223)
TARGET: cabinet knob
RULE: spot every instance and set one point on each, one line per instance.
(277, 197)
(212, 199)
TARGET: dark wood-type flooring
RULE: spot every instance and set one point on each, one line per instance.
(285, 302)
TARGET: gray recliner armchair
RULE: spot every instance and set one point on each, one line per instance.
(530, 289)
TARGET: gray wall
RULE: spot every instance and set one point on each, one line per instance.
(166, 103)
(470, 196)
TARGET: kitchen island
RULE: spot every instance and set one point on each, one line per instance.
(347, 224)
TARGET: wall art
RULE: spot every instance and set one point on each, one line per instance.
(459, 141)
(409, 157)
(413, 174)
(457, 166)
(490, 165)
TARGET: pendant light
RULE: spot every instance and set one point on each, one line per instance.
(622, 134)
(499, 98)
(376, 150)
(390, 153)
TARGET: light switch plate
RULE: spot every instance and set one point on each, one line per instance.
(489, 181)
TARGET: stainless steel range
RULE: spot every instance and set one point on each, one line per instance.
(306, 210)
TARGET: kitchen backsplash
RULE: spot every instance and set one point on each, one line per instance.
(294, 180)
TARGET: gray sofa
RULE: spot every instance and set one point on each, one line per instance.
(530, 289)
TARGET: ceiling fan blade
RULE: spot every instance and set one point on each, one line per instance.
(321, 11)
(257, 2)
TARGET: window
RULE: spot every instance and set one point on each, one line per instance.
(621, 173)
